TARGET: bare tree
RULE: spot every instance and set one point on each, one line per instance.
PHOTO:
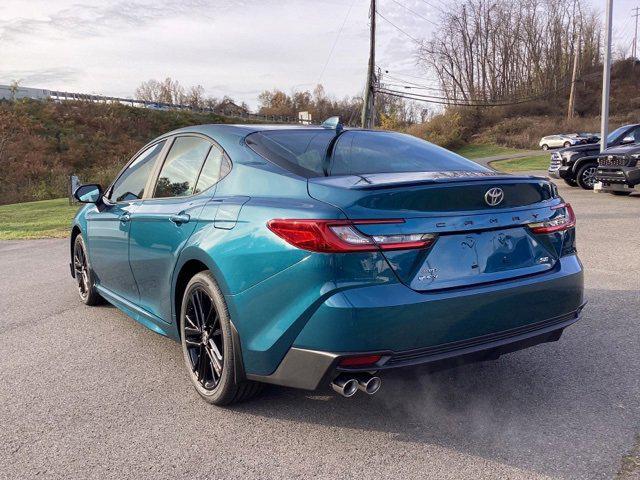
(168, 91)
(195, 97)
(14, 86)
(148, 91)
(490, 50)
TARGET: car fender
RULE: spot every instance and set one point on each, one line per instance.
(80, 222)
(581, 161)
(194, 252)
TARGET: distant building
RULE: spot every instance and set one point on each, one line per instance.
(228, 107)
(304, 118)
(6, 93)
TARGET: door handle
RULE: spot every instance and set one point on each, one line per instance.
(125, 218)
(180, 218)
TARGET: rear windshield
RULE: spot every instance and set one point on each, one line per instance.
(300, 151)
(355, 152)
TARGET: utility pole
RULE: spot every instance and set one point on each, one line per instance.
(572, 96)
(634, 48)
(369, 91)
(606, 78)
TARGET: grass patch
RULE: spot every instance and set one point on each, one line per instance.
(536, 162)
(43, 219)
(630, 467)
(480, 150)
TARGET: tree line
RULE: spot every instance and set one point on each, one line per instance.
(391, 112)
(172, 92)
(496, 50)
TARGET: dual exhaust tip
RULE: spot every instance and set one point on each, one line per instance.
(348, 385)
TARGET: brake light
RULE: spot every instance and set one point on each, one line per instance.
(360, 361)
(559, 223)
(340, 236)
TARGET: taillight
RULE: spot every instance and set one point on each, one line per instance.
(562, 221)
(340, 236)
(360, 361)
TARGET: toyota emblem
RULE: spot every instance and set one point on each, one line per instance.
(494, 196)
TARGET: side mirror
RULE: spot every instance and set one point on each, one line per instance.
(90, 193)
(627, 140)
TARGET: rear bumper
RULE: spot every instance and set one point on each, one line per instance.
(410, 328)
(309, 369)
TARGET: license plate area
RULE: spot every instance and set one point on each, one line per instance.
(478, 257)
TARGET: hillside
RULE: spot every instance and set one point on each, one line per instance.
(41, 143)
(522, 125)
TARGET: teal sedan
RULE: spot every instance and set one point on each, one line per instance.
(316, 257)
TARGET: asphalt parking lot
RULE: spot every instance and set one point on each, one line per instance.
(89, 393)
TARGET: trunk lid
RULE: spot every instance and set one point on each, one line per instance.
(478, 242)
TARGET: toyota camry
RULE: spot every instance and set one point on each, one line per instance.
(315, 257)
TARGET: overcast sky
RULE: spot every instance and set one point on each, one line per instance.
(233, 47)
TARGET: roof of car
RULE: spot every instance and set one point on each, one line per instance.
(240, 129)
(227, 135)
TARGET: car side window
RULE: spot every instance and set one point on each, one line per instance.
(130, 184)
(210, 173)
(181, 167)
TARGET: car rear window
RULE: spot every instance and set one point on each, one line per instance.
(300, 151)
(364, 152)
(356, 152)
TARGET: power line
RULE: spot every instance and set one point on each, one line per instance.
(436, 101)
(414, 12)
(470, 103)
(402, 75)
(444, 101)
(415, 40)
(335, 42)
(434, 6)
(413, 87)
(407, 82)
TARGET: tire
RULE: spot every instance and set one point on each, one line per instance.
(571, 182)
(545, 147)
(621, 194)
(586, 176)
(567, 144)
(84, 275)
(209, 352)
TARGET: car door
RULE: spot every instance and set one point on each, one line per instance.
(108, 225)
(163, 223)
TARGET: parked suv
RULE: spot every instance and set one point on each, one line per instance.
(619, 170)
(577, 165)
(558, 141)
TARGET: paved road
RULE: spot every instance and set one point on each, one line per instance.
(89, 393)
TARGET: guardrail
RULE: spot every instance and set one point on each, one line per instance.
(65, 96)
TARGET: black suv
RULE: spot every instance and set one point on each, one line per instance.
(619, 169)
(577, 165)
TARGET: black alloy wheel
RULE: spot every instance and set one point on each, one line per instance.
(83, 274)
(203, 339)
(212, 357)
(80, 268)
(586, 176)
